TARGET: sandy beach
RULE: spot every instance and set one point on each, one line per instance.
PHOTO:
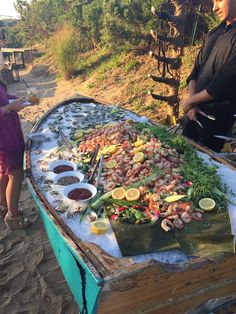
(31, 280)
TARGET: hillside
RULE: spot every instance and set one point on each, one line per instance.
(121, 80)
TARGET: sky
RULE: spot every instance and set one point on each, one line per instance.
(7, 8)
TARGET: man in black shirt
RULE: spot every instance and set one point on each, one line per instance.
(212, 82)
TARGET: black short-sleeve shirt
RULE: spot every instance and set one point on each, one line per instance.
(215, 68)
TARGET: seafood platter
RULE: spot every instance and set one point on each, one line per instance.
(127, 205)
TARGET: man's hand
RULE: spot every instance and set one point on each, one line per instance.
(192, 114)
(187, 106)
(196, 99)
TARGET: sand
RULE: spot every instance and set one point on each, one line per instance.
(30, 279)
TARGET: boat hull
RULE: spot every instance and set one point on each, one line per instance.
(104, 285)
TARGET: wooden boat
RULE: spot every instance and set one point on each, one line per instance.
(101, 283)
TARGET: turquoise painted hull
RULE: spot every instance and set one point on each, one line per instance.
(84, 286)
(106, 285)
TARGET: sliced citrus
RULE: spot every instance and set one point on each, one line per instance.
(86, 160)
(118, 194)
(99, 126)
(129, 121)
(78, 134)
(111, 149)
(112, 123)
(207, 204)
(88, 130)
(139, 157)
(111, 164)
(138, 149)
(138, 143)
(132, 194)
(99, 227)
(174, 198)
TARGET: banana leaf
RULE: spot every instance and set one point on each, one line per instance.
(207, 238)
(143, 238)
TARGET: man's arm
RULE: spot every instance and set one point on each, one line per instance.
(196, 99)
(192, 87)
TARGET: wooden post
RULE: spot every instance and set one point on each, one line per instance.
(23, 59)
(174, 38)
(1, 58)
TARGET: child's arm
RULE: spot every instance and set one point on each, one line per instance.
(16, 105)
(11, 96)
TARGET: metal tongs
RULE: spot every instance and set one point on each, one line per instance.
(100, 164)
(99, 170)
(94, 156)
(226, 138)
(65, 139)
(174, 128)
(209, 116)
(199, 123)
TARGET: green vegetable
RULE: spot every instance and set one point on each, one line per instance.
(124, 202)
(100, 201)
(221, 194)
(145, 181)
(97, 196)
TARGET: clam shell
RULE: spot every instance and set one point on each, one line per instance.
(37, 151)
(54, 193)
(92, 217)
(47, 188)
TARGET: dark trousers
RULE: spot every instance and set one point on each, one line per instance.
(205, 136)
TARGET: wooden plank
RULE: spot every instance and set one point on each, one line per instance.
(12, 50)
(158, 290)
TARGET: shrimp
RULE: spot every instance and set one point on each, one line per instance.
(178, 223)
(164, 153)
(167, 225)
(110, 186)
(197, 216)
(186, 217)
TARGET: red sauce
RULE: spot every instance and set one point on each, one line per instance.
(62, 168)
(79, 194)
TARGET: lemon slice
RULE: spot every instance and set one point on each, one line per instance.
(132, 194)
(207, 204)
(86, 160)
(111, 124)
(111, 164)
(129, 121)
(174, 198)
(138, 149)
(79, 134)
(111, 149)
(118, 194)
(139, 157)
(99, 227)
(88, 131)
(138, 143)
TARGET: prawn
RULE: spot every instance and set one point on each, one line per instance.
(167, 225)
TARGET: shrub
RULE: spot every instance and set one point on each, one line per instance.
(65, 48)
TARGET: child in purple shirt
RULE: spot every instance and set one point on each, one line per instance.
(12, 148)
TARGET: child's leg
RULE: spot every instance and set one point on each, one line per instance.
(13, 191)
(3, 186)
